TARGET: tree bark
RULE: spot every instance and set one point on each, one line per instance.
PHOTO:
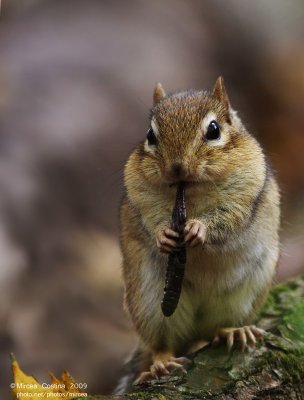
(274, 370)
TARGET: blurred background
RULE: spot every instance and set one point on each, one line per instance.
(76, 81)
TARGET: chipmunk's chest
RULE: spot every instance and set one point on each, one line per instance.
(213, 293)
(200, 199)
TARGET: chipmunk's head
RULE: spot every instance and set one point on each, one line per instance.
(193, 136)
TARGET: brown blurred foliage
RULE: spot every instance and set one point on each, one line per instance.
(76, 81)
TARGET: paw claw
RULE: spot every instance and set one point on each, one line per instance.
(216, 340)
(171, 233)
(182, 360)
(143, 377)
(258, 332)
(230, 341)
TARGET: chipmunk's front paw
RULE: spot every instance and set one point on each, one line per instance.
(195, 232)
(166, 240)
(245, 335)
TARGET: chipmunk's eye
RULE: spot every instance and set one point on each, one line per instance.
(152, 140)
(213, 131)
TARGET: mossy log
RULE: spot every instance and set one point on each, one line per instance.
(275, 370)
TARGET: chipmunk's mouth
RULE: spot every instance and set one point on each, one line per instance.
(189, 184)
(186, 183)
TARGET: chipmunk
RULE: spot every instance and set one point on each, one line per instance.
(231, 233)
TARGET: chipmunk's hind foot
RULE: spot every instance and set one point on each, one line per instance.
(161, 368)
(246, 336)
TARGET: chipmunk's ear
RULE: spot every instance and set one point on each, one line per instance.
(158, 93)
(219, 92)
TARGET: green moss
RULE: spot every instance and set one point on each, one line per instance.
(292, 326)
(288, 366)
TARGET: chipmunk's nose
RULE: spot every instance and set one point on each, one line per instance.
(178, 170)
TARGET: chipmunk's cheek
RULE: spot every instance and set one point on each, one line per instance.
(152, 172)
(201, 172)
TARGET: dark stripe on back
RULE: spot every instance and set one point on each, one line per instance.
(259, 198)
